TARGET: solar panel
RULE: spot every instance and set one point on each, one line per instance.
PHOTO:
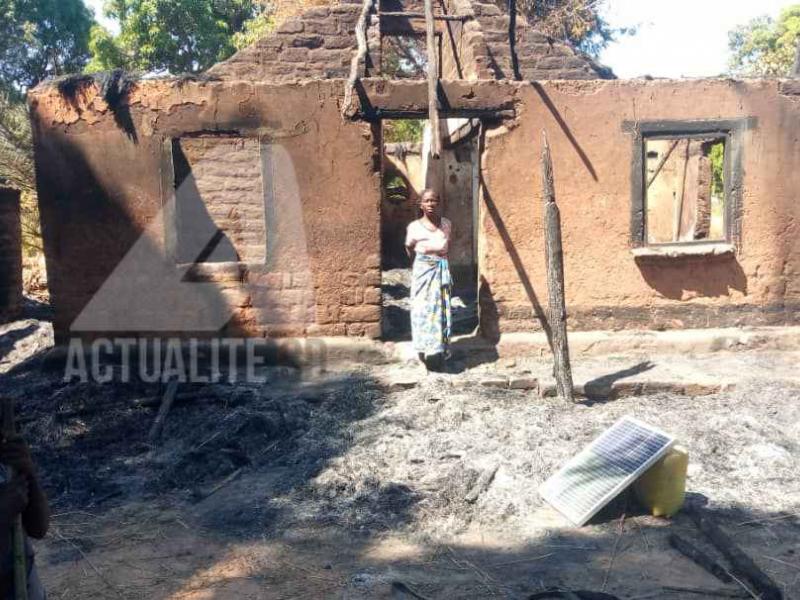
(608, 465)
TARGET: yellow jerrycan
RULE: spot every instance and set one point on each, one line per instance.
(662, 488)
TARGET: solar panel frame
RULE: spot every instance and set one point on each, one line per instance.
(599, 456)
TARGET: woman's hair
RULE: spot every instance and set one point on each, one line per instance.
(429, 191)
(426, 191)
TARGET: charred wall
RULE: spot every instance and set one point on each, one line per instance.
(10, 254)
(108, 183)
(295, 196)
(591, 127)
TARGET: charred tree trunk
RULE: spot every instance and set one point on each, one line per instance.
(554, 253)
(512, 38)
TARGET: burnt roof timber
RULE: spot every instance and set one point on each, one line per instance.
(419, 15)
(381, 98)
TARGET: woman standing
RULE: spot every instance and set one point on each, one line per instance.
(427, 242)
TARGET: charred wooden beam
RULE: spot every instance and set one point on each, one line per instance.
(512, 38)
(554, 255)
(433, 81)
(457, 98)
(742, 565)
(486, 114)
(358, 59)
(419, 15)
(699, 557)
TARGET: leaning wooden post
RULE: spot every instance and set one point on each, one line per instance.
(433, 81)
(554, 254)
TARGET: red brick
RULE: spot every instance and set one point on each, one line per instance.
(366, 313)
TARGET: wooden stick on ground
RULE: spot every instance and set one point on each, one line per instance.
(743, 565)
(17, 533)
(433, 81)
(700, 558)
(358, 58)
(482, 484)
(554, 253)
(620, 531)
(163, 411)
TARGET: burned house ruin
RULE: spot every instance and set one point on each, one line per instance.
(263, 212)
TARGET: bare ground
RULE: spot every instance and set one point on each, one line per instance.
(337, 486)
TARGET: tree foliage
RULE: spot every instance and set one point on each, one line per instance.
(39, 39)
(174, 36)
(765, 46)
(403, 130)
(577, 21)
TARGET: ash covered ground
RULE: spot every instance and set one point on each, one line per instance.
(338, 485)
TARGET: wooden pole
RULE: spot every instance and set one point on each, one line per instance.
(554, 254)
(661, 163)
(433, 82)
(676, 226)
(512, 38)
(17, 533)
(358, 58)
(421, 15)
(163, 411)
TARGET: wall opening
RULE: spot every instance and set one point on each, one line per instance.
(407, 170)
(684, 189)
(219, 200)
(404, 56)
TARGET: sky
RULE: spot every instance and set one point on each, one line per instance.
(675, 38)
(678, 38)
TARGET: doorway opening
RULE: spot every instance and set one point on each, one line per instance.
(406, 170)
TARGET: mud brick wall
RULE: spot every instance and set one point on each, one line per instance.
(486, 45)
(317, 45)
(10, 254)
(103, 194)
(593, 153)
(219, 188)
(478, 48)
(321, 42)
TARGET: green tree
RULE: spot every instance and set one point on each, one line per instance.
(40, 39)
(174, 36)
(765, 46)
